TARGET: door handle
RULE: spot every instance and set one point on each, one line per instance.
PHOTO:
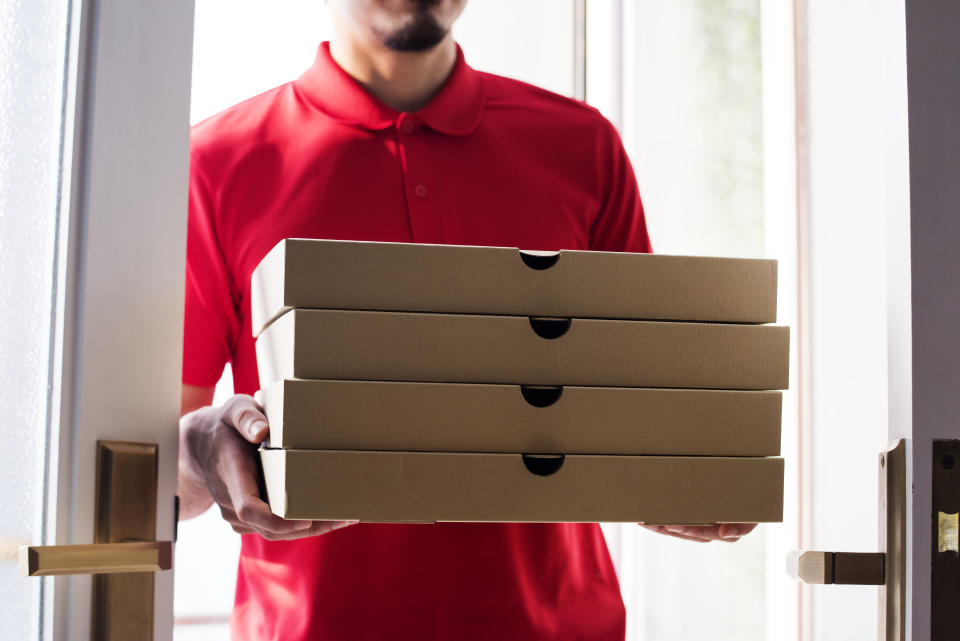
(840, 568)
(96, 558)
(886, 568)
(124, 555)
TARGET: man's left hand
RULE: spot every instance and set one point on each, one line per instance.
(729, 532)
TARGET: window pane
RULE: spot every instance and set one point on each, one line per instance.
(32, 50)
(244, 47)
(530, 40)
(692, 123)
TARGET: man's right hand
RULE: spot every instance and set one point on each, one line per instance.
(218, 463)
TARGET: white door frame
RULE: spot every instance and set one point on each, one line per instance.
(122, 247)
(120, 270)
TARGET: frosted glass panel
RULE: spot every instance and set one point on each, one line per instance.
(693, 123)
(32, 49)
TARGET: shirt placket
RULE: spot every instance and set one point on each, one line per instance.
(416, 169)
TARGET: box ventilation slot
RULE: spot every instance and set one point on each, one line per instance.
(543, 464)
(541, 395)
(549, 328)
(539, 260)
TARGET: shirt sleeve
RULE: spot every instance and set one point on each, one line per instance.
(619, 224)
(210, 310)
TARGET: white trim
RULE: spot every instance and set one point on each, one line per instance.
(604, 58)
(781, 231)
(60, 462)
(120, 271)
(897, 218)
(807, 619)
(580, 45)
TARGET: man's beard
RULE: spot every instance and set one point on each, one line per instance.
(422, 32)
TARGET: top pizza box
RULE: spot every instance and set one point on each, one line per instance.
(459, 279)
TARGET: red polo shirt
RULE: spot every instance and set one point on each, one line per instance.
(489, 161)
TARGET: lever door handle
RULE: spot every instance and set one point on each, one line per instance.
(96, 558)
(840, 568)
(886, 568)
(124, 554)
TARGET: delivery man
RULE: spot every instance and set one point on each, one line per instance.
(391, 136)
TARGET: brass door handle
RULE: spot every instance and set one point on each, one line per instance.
(96, 558)
(840, 568)
(124, 555)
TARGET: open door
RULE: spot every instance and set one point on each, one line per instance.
(916, 564)
(104, 278)
(923, 277)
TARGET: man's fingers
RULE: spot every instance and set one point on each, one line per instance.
(733, 531)
(253, 512)
(322, 527)
(243, 414)
(660, 529)
(729, 532)
(316, 529)
(254, 517)
(232, 474)
(239, 474)
(242, 529)
(707, 532)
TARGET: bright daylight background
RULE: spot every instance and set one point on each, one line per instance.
(706, 95)
(703, 94)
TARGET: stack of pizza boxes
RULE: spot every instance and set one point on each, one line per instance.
(425, 383)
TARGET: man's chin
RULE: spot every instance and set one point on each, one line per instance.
(421, 34)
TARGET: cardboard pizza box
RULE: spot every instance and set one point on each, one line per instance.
(455, 417)
(332, 274)
(428, 487)
(460, 348)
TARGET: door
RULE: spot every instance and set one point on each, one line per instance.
(912, 138)
(95, 143)
(923, 265)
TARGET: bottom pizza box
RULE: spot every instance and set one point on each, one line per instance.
(426, 487)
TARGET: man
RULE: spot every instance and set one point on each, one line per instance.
(391, 136)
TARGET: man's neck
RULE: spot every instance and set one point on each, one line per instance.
(404, 80)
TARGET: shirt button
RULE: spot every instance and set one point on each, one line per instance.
(420, 190)
(407, 127)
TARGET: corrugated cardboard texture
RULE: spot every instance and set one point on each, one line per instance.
(387, 346)
(449, 417)
(428, 487)
(324, 274)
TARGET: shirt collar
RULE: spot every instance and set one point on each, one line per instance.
(455, 109)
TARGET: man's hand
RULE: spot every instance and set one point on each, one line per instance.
(730, 532)
(218, 463)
